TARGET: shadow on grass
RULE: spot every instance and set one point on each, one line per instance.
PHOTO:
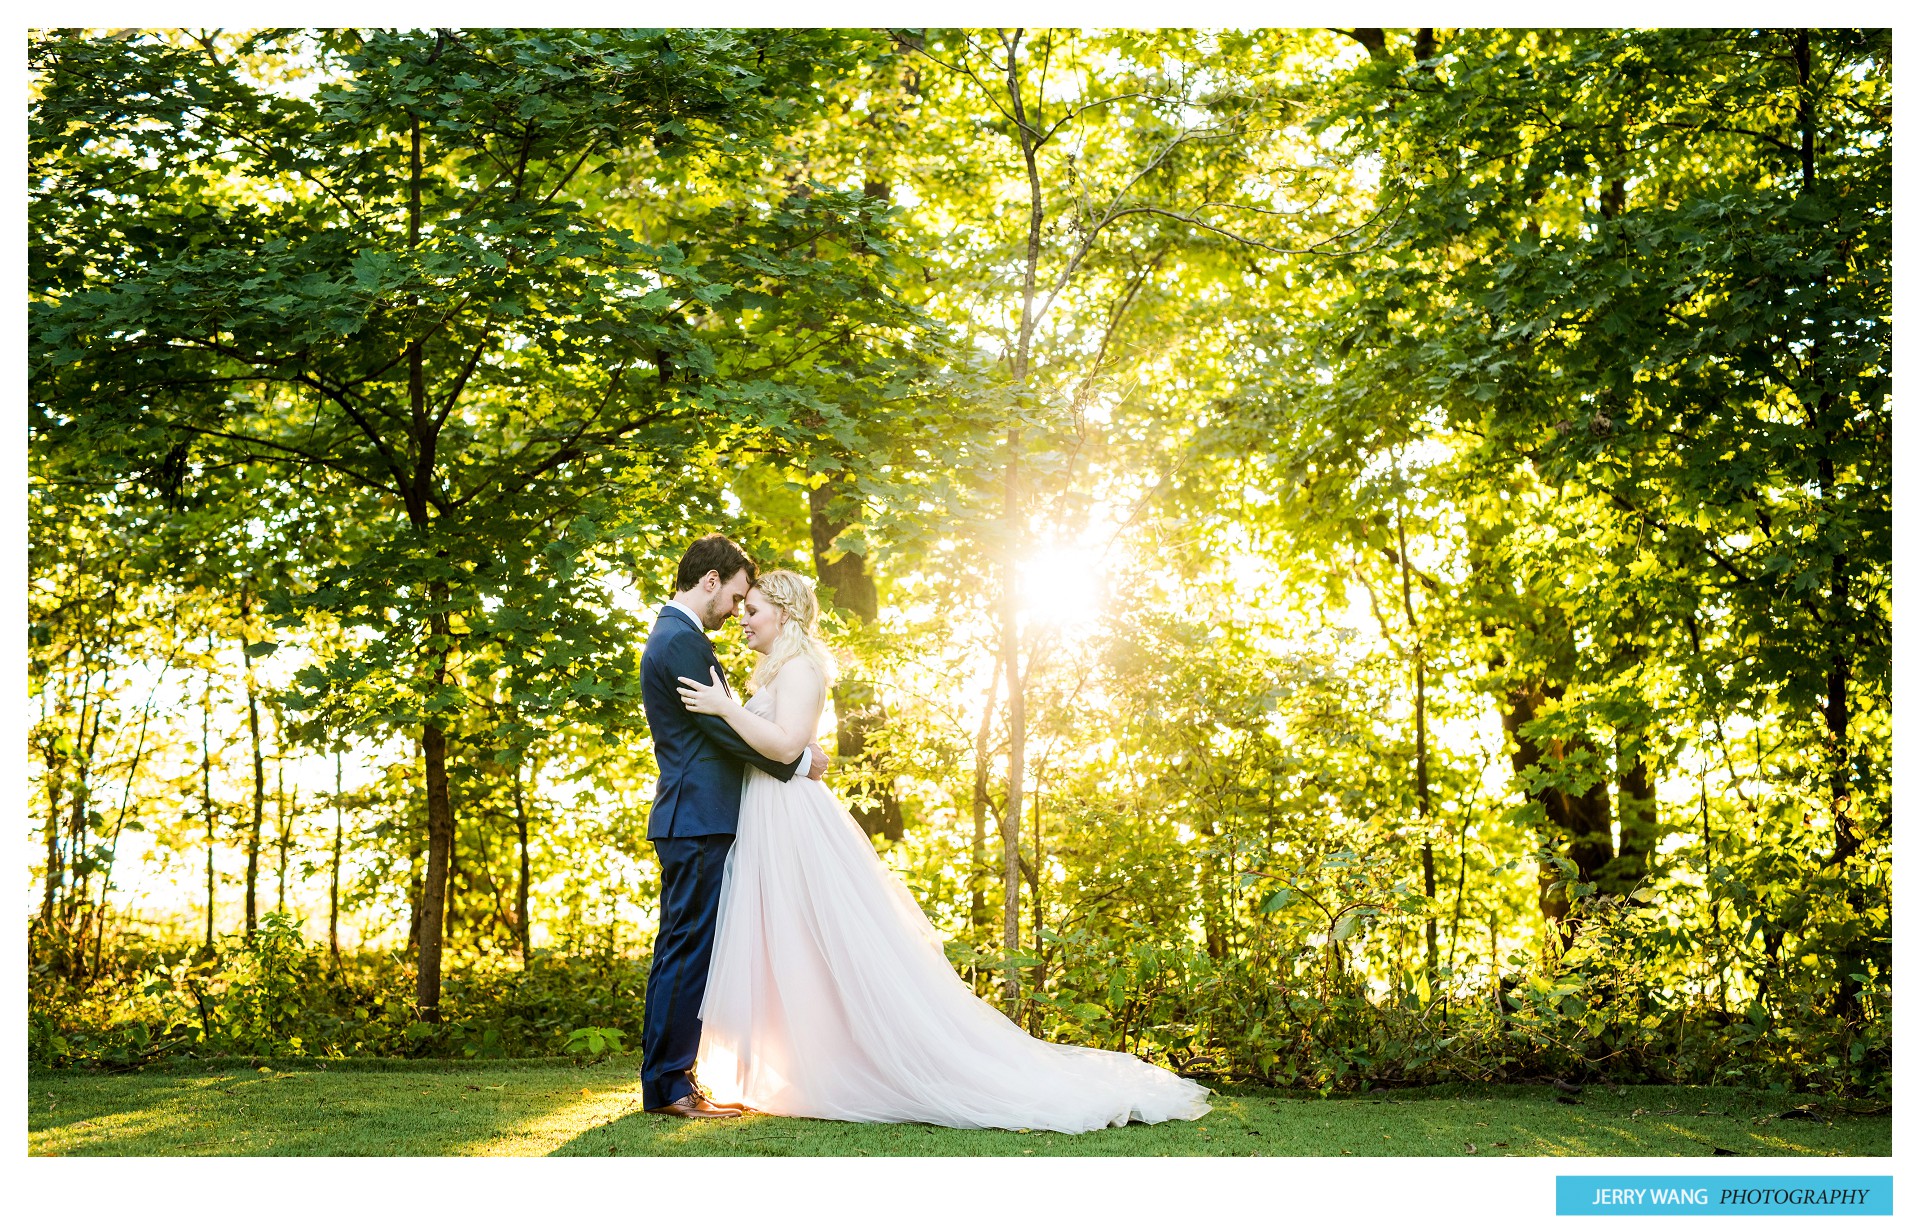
(436, 1108)
(759, 1135)
(236, 1111)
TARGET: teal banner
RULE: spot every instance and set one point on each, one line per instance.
(1723, 1195)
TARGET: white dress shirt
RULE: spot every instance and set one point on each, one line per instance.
(806, 755)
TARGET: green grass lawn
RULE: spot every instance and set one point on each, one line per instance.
(543, 1108)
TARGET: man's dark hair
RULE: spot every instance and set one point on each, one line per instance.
(710, 553)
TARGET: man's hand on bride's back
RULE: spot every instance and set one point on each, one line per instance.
(818, 768)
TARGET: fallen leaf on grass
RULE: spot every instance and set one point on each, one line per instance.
(1500, 1144)
(1472, 1149)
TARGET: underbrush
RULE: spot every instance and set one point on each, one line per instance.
(275, 996)
(1291, 1013)
(1608, 1009)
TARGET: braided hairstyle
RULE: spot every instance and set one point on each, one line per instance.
(799, 633)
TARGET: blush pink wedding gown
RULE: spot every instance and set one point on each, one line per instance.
(829, 996)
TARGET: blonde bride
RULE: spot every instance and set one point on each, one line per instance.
(829, 994)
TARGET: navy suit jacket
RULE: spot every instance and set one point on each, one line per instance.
(700, 756)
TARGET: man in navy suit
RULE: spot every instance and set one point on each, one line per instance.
(696, 807)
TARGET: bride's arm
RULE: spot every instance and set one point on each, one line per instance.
(798, 695)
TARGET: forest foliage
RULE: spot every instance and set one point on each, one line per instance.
(1361, 556)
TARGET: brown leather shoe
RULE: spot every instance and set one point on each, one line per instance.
(694, 1107)
(706, 1097)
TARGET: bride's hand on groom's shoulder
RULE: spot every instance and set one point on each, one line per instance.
(704, 698)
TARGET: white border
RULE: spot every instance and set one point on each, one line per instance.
(974, 1194)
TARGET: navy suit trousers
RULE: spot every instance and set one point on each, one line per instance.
(690, 874)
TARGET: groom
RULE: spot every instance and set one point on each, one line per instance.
(696, 807)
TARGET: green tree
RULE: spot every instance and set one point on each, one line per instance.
(1640, 292)
(387, 290)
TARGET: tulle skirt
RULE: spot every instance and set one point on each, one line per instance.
(830, 997)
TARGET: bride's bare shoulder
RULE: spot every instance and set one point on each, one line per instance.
(798, 683)
(799, 674)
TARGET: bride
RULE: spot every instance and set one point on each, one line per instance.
(829, 995)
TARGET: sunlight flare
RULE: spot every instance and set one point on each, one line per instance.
(1063, 586)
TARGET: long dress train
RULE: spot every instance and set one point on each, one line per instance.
(829, 996)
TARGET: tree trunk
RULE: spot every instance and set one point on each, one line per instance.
(259, 778)
(1712, 894)
(1585, 822)
(1459, 891)
(439, 847)
(120, 821)
(1039, 902)
(333, 883)
(977, 873)
(1422, 796)
(1493, 958)
(450, 916)
(1016, 729)
(1373, 38)
(521, 922)
(1210, 925)
(77, 804)
(855, 702)
(79, 862)
(433, 738)
(1013, 540)
(416, 887)
(54, 871)
(1835, 710)
(287, 809)
(206, 782)
(1016, 733)
(856, 705)
(1856, 951)
(1639, 831)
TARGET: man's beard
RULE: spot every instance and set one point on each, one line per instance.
(706, 614)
